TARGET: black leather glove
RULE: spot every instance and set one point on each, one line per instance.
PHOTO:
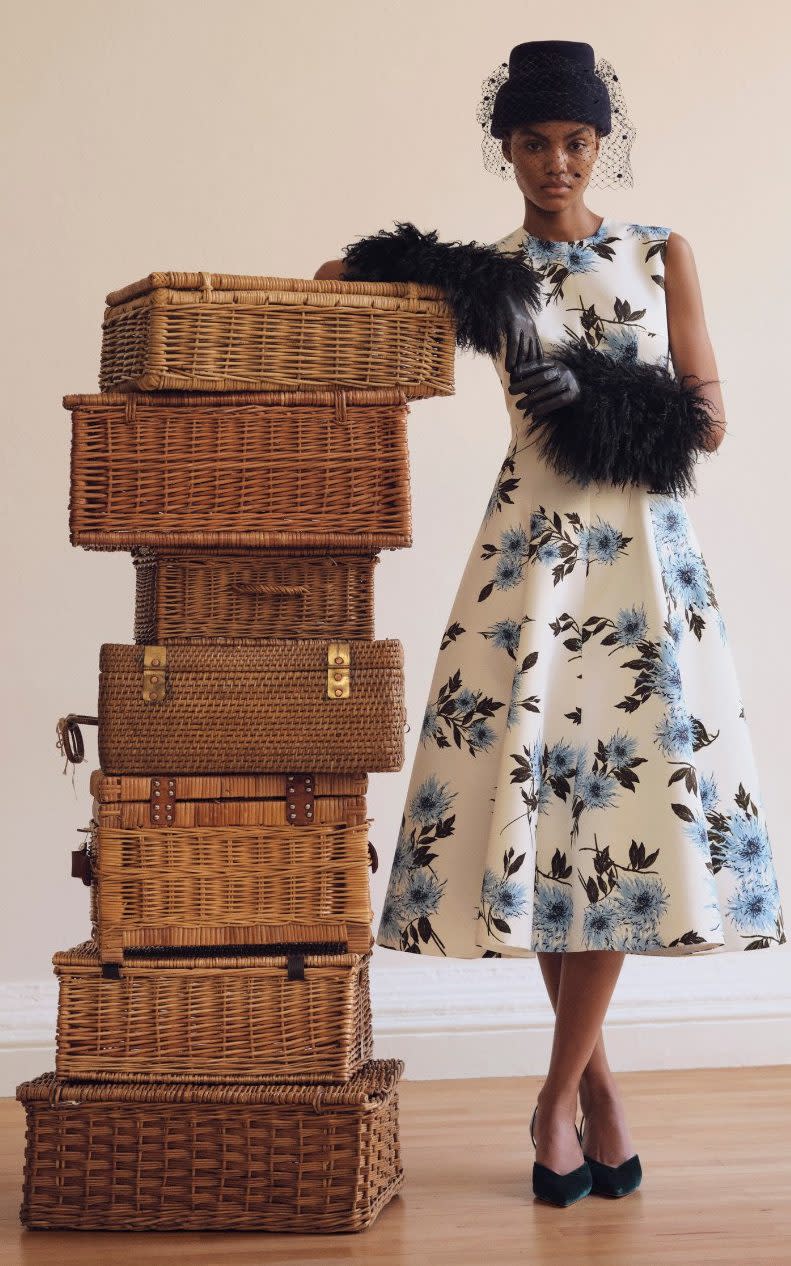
(547, 383)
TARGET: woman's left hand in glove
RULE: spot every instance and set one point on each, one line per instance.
(547, 385)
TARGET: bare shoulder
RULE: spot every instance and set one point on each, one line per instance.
(679, 260)
(331, 270)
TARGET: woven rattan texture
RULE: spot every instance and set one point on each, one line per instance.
(278, 469)
(251, 594)
(215, 885)
(212, 1019)
(223, 333)
(244, 707)
(226, 1157)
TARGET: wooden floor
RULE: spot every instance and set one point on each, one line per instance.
(715, 1146)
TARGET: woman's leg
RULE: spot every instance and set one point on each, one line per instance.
(580, 986)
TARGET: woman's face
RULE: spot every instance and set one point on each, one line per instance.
(552, 161)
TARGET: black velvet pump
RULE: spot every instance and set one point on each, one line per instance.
(559, 1189)
(613, 1180)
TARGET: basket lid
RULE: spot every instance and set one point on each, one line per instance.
(371, 1086)
(202, 958)
(207, 281)
(123, 788)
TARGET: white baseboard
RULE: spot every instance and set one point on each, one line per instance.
(492, 1018)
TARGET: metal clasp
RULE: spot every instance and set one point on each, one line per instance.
(154, 661)
(338, 665)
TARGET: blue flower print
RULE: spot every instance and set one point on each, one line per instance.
(596, 790)
(747, 848)
(753, 907)
(631, 625)
(669, 520)
(422, 894)
(600, 924)
(647, 230)
(530, 703)
(620, 342)
(553, 910)
(709, 793)
(505, 634)
(460, 715)
(697, 830)
(431, 800)
(415, 890)
(605, 542)
(686, 578)
(667, 673)
(642, 900)
(620, 749)
(675, 733)
(503, 898)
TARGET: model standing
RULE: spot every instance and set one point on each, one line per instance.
(584, 785)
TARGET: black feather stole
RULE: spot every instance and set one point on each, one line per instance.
(476, 278)
(635, 423)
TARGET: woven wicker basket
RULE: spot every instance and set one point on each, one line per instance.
(207, 707)
(289, 1016)
(219, 332)
(252, 594)
(203, 886)
(122, 1157)
(276, 470)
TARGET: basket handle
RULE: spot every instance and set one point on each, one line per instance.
(373, 857)
(70, 741)
(260, 586)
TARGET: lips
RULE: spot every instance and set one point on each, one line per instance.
(556, 185)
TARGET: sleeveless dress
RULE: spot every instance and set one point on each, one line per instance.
(584, 777)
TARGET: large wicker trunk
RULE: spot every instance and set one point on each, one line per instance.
(240, 707)
(250, 593)
(278, 470)
(218, 331)
(123, 1157)
(301, 1012)
(230, 871)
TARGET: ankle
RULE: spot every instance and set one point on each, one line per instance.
(598, 1091)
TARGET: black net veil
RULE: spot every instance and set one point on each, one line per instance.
(549, 95)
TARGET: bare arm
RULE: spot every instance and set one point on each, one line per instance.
(332, 270)
(690, 345)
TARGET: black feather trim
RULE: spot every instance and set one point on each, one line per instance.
(635, 423)
(475, 277)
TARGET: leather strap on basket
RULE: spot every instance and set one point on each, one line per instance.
(374, 857)
(300, 799)
(81, 865)
(162, 800)
(70, 741)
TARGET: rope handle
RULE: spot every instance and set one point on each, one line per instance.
(70, 741)
(260, 586)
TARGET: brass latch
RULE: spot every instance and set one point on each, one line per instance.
(338, 660)
(154, 659)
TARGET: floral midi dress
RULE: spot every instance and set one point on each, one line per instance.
(584, 776)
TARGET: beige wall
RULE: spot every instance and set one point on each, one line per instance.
(259, 138)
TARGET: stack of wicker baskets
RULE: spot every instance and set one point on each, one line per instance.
(214, 1061)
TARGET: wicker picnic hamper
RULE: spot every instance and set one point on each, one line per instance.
(271, 469)
(250, 593)
(220, 332)
(194, 707)
(221, 885)
(299, 1010)
(131, 1157)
